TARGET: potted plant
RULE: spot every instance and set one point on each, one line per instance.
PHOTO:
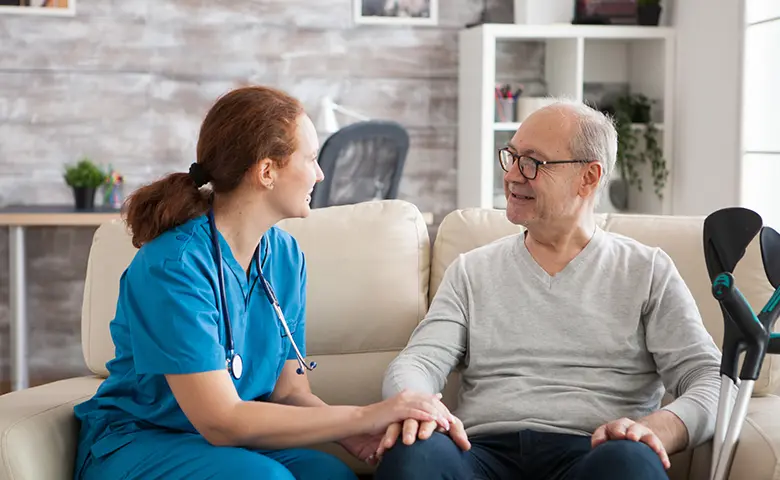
(84, 178)
(648, 12)
(633, 121)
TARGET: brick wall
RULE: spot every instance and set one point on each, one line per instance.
(128, 83)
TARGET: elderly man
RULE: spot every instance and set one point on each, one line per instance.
(567, 335)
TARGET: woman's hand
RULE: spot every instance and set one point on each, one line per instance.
(412, 430)
(362, 447)
(407, 404)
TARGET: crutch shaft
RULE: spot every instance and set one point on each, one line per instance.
(725, 405)
(726, 453)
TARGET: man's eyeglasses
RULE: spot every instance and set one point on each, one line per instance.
(529, 166)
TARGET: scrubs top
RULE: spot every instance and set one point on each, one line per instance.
(168, 322)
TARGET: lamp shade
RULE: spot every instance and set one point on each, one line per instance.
(326, 120)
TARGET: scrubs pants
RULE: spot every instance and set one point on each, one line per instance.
(174, 455)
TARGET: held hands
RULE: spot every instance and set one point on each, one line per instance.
(627, 429)
(413, 429)
(407, 404)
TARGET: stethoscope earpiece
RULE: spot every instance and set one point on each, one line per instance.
(311, 366)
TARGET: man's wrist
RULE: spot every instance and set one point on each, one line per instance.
(669, 428)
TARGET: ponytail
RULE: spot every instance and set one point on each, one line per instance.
(242, 127)
(162, 205)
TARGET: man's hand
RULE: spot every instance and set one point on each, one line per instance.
(413, 430)
(627, 429)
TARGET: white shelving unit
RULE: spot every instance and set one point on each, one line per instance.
(575, 55)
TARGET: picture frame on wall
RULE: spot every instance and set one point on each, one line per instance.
(66, 8)
(396, 12)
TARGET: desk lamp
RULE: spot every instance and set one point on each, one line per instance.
(326, 121)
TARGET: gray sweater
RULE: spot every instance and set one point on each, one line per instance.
(601, 340)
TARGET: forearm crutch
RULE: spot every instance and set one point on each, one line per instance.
(727, 234)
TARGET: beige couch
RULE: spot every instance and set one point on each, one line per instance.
(372, 271)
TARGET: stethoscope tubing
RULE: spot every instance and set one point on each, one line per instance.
(269, 292)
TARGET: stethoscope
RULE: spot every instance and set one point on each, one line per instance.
(235, 364)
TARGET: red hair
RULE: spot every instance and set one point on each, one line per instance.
(243, 127)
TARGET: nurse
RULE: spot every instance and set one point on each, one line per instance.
(209, 379)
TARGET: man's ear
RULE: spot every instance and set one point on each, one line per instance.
(265, 173)
(590, 178)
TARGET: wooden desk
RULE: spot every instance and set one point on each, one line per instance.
(18, 219)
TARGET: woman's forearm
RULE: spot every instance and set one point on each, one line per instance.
(265, 425)
(305, 399)
(211, 403)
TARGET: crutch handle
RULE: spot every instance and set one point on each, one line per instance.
(744, 332)
(768, 316)
(774, 344)
(726, 292)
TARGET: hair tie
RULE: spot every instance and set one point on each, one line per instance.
(198, 175)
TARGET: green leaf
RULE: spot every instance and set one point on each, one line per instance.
(84, 174)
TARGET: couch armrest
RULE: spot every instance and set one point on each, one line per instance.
(38, 431)
(757, 454)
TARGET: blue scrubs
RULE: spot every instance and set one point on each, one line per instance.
(167, 322)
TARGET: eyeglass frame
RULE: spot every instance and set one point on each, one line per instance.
(516, 158)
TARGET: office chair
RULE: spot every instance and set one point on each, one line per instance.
(361, 162)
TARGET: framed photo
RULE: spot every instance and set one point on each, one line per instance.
(65, 8)
(396, 12)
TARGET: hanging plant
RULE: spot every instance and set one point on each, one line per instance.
(631, 110)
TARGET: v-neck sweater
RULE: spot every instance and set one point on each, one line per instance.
(602, 339)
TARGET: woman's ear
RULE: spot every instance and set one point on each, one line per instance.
(265, 173)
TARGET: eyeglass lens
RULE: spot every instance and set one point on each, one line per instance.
(527, 166)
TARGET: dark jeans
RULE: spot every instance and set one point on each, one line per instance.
(527, 455)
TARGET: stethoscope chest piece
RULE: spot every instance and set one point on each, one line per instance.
(235, 366)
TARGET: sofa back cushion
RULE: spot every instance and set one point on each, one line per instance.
(679, 236)
(368, 275)
(109, 256)
(368, 271)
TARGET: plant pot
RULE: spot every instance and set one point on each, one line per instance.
(648, 15)
(84, 197)
(641, 114)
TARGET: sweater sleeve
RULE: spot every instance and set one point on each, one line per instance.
(687, 358)
(438, 343)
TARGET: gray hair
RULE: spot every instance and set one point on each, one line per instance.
(595, 137)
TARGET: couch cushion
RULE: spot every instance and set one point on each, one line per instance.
(368, 267)
(109, 256)
(681, 237)
(38, 431)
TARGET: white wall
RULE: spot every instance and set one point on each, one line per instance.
(760, 189)
(706, 174)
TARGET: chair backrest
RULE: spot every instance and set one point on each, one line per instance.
(679, 236)
(362, 161)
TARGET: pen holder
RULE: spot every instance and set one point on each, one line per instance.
(505, 110)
